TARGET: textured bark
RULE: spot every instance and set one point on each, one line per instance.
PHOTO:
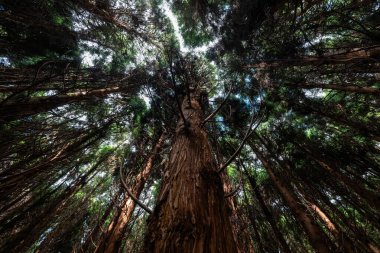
(191, 212)
(115, 235)
(317, 238)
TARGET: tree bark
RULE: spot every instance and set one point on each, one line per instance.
(268, 215)
(115, 235)
(317, 238)
(10, 111)
(239, 230)
(191, 212)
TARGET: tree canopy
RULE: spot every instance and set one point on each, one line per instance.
(206, 126)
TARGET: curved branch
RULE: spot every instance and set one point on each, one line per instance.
(130, 194)
(249, 132)
(218, 109)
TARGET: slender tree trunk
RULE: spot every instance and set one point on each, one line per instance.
(269, 216)
(360, 234)
(317, 238)
(339, 87)
(239, 229)
(91, 238)
(344, 242)
(191, 212)
(372, 198)
(10, 111)
(341, 238)
(363, 55)
(252, 219)
(115, 235)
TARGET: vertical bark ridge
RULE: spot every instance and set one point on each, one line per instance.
(191, 213)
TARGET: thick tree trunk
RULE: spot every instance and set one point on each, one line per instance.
(317, 238)
(191, 213)
(115, 235)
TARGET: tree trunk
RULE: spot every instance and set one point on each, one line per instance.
(339, 87)
(251, 217)
(362, 55)
(115, 236)
(268, 215)
(360, 235)
(239, 229)
(10, 111)
(372, 198)
(191, 212)
(317, 238)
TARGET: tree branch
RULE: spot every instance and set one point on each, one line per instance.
(249, 132)
(130, 194)
(218, 109)
(232, 193)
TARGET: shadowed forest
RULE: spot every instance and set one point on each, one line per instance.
(190, 126)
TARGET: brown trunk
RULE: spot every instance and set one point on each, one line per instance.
(88, 245)
(343, 240)
(251, 217)
(16, 110)
(269, 216)
(360, 234)
(239, 230)
(191, 213)
(363, 55)
(115, 235)
(317, 238)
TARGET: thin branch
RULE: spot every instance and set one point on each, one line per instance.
(218, 109)
(130, 194)
(232, 193)
(247, 135)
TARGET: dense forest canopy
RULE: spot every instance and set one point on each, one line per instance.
(195, 126)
